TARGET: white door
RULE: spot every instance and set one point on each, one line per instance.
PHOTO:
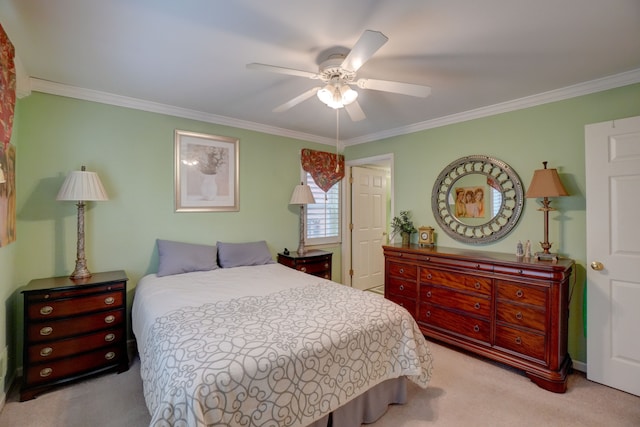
(369, 224)
(612, 153)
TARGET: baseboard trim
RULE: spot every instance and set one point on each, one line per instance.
(580, 366)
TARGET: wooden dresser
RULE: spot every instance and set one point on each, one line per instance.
(73, 329)
(509, 309)
(315, 262)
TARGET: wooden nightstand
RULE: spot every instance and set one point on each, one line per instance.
(73, 329)
(314, 262)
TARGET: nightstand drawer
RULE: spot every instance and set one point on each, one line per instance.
(56, 329)
(64, 348)
(315, 262)
(75, 292)
(72, 306)
(46, 372)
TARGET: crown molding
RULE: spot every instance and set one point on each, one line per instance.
(580, 89)
(53, 88)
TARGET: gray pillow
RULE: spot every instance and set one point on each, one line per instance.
(243, 254)
(179, 257)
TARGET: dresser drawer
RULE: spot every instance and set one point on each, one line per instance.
(406, 271)
(480, 285)
(64, 348)
(456, 323)
(477, 305)
(56, 329)
(408, 303)
(521, 315)
(522, 294)
(526, 343)
(72, 306)
(68, 367)
(402, 287)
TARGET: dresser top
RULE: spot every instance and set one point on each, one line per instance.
(481, 256)
(65, 282)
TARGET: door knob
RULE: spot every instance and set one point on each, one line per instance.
(595, 265)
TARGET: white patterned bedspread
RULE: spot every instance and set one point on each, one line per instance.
(266, 346)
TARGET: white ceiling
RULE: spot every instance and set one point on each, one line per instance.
(189, 56)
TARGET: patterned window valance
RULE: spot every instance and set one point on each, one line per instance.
(322, 167)
(7, 87)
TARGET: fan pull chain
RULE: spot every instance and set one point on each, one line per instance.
(337, 140)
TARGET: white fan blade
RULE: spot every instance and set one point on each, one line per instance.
(297, 100)
(282, 70)
(395, 87)
(355, 112)
(365, 47)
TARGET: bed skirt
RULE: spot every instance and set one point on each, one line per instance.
(367, 407)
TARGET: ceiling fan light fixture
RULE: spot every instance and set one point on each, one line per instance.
(337, 96)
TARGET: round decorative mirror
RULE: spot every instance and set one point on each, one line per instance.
(477, 199)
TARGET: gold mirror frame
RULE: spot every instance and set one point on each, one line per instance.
(501, 176)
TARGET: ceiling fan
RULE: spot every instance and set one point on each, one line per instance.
(338, 74)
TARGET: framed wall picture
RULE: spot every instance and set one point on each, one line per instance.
(206, 172)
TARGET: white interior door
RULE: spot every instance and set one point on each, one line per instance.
(369, 220)
(612, 153)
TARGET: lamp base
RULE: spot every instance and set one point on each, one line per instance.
(81, 271)
(543, 256)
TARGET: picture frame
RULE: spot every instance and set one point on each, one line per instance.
(206, 172)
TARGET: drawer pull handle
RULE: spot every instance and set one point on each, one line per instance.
(47, 330)
(402, 271)
(519, 315)
(428, 313)
(110, 319)
(109, 337)
(476, 306)
(326, 265)
(518, 340)
(478, 266)
(109, 300)
(429, 294)
(519, 293)
(303, 269)
(109, 288)
(401, 287)
(46, 310)
(46, 351)
(520, 271)
(429, 276)
(47, 296)
(476, 285)
(476, 328)
(110, 355)
(326, 276)
(45, 372)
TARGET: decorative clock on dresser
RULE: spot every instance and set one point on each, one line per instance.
(73, 329)
(510, 309)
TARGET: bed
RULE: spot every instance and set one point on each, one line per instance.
(266, 345)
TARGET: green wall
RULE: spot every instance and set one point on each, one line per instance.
(523, 139)
(132, 151)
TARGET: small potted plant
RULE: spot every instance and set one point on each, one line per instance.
(404, 225)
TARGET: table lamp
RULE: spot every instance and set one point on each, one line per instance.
(546, 183)
(302, 195)
(81, 186)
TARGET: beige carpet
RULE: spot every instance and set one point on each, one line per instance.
(464, 391)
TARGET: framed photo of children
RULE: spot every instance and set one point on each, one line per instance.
(469, 202)
(206, 172)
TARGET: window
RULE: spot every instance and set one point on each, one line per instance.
(322, 217)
